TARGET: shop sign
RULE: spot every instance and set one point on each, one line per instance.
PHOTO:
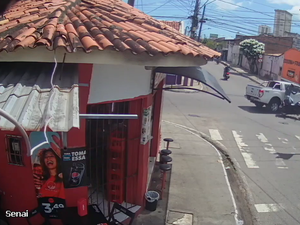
(74, 167)
(291, 62)
(158, 78)
(146, 126)
(51, 206)
(48, 174)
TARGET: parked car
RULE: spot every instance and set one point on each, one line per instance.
(270, 94)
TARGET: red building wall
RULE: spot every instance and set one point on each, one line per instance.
(158, 97)
(143, 158)
(76, 137)
(139, 153)
(16, 182)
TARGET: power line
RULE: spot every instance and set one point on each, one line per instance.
(174, 17)
(168, 1)
(243, 7)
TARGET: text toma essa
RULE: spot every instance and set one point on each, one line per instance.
(77, 156)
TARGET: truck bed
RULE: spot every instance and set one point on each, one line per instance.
(253, 91)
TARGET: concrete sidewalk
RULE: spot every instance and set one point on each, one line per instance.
(198, 192)
(244, 73)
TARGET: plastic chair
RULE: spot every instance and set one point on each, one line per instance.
(117, 208)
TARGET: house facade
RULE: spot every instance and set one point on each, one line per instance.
(272, 66)
(291, 66)
(82, 82)
(273, 45)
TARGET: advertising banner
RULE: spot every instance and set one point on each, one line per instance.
(74, 167)
(47, 173)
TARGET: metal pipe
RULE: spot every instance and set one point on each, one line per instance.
(109, 116)
(20, 128)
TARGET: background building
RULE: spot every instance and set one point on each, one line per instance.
(213, 36)
(282, 23)
(263, 29)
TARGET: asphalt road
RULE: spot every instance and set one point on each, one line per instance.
(266, 147)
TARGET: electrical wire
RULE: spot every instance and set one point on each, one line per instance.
(230, 3)
(168, 1)
(48, 105)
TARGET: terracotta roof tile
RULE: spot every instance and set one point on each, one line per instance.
(174, 24)
(92, 25)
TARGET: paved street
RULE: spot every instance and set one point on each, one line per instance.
(267, 148)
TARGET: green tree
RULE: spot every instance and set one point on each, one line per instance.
(251, 49)
(210, 43)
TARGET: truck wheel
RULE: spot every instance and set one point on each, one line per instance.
(259, 104)
(273, 105)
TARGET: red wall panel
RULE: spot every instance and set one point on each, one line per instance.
(156, 120)
(134, 136)
(16, 182)
(76, 137)
(138, 154)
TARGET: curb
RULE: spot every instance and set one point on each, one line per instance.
(243, 185)
(243, 75)
(244, 188)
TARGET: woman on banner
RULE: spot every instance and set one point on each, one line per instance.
(50, 184)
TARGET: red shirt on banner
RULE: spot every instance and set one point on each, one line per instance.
(52, 189)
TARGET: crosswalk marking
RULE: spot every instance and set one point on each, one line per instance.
(264, 208)
(268, 147)
(244, 151)
(215, 135)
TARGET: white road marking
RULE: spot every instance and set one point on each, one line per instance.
(268, 147)
(263, 208)
(251, 164)
(283, 140)
(215, 135)
(298, 137)
(195, 132)
(262, 138)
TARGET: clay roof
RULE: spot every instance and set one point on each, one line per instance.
(91, 25)
(174, 24)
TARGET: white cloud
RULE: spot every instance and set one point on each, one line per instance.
(228, 5)
(295, 11)
(295, 6)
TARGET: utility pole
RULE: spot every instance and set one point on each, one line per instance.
(131, 2)
(201, 23)
(195, 19)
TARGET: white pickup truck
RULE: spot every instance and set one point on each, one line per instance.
(270, 94)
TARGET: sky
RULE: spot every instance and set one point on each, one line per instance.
(224, 17)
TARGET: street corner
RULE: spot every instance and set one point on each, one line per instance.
(175, 217)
